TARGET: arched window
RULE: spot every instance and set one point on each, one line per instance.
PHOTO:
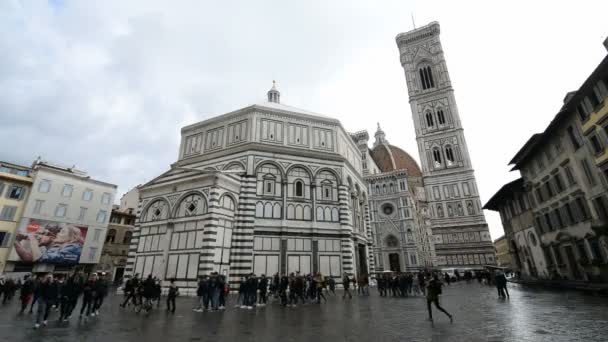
(127, 238)
(449, 155)
(426, 77)
(192, 205)
(437, 157)
(429, 119)
(391, 187)
(159, 210)
(440, 117)
(299, 188)
(111, 236)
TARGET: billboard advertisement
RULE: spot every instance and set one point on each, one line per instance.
(41, 241)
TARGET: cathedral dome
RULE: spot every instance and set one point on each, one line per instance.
(391, 158)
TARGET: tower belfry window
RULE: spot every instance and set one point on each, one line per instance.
(429, 119)
(437, 157)
(426, 78)
(449, 155)
(440, 117)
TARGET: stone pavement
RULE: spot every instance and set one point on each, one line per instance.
(530, 315)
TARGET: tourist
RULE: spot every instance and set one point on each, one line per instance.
(88, 296)
(47, 295)
(346, 285)
(331, 283)
(101, 291)
(69, 296)
(171, 295)
(501, 284)
(432, 296)
(319, 287)
(283, 287)
(263, 286)
(27, 289)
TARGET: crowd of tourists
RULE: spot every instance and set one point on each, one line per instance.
(59, 293)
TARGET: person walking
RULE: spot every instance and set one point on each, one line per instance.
(331, 284)
(432, 296)
(501, 284)
(47, 296)
(283, 286)
(101, 291)
(171, 295)
(88, 296)
(69, 296)
(346, 285)
(36, 294)
(263, 287)
(319, 282)
(27, 289)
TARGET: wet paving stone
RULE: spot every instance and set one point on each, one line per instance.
(529, 315)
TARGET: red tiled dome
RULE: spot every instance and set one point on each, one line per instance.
(390, 158)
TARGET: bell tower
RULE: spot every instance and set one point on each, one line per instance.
(460, 230)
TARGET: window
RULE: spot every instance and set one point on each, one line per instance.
(8, 213)
(402, 185)
(61, 210)
(570, 176)
(437, 157)
(106, 198)
(573, 138)
(299, 188)
(111, 236)
(582, 111)
(429, 120)
(549, 189)
(87, 195)
(38, 206)
(269, 187)
(388, 209)
(596, 144)
(426, 78)
(101, 216)
(96, 235)
(15, 192)
(548, 222)
(440, 117)
(83, 213)
(5, 239)
(326, 189)
(67, 190)
(601, 207)
(570, 213)
(558, 219)
(127, 238)
(539, 195)
(583, 209)
(449, 155)
(548, 256)
(582, 251)
(596, 250)
(44, 185)
(588, 174)
(594, 99)
(559, 185)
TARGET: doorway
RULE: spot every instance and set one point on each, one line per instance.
(393, 261)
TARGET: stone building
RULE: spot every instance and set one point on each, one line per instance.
(503, 257)
(15, 185)
(521, 238)
(267, 188)
(118, 239)
(461, 235)
(565, 190)
(64, 221)
(398, 208)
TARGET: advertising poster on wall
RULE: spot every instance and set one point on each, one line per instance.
(41, 241)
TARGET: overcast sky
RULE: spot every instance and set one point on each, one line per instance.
(107, 85)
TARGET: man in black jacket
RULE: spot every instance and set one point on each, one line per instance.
(101, 291)
(27, 289)
(47, 296)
